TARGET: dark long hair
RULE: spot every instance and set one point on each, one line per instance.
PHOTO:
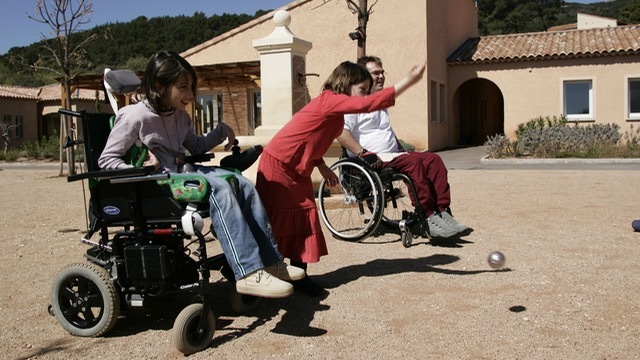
(163, 70)
(345, 75)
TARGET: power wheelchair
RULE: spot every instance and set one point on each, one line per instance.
(145, 240)
(366, 198)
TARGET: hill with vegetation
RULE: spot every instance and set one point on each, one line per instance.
(126, 45)
(129, 45)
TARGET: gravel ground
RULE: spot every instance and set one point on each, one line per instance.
(568, 291)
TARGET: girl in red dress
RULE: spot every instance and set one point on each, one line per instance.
(284, 172)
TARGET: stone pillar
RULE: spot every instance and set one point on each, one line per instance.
(282, 74)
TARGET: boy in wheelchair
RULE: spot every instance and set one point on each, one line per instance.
(160, 121)
(370, 137)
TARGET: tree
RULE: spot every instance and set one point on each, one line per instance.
(363, 11)
(5, 131)
(631, 12)
(64, 57)
(517, 16)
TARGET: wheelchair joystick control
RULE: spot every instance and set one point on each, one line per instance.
(235, 149)
(241, 160)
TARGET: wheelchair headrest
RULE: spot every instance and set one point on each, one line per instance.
(122, 81)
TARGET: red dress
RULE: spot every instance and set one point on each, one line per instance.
(284, 172)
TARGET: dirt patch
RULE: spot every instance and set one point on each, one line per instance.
(569, 289)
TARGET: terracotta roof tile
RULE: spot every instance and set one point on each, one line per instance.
(46, 93)
(619, 40)
(19, 92)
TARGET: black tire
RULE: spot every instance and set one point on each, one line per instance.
(84, 300)
(353, 209)
(185, 335)
(243, 303)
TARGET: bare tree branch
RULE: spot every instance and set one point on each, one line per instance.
(67, 59)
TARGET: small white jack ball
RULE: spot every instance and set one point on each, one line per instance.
(496, 260)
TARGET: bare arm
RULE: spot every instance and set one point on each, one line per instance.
(348, 142)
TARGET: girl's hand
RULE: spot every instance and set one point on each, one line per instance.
(152, 160)
(229, 134)
(414, 75)
(328, 175)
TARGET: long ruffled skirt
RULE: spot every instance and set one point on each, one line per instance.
(291, 207)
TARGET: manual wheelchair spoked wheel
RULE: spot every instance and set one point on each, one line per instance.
(353, 209)
(186, 336)
(84, 300)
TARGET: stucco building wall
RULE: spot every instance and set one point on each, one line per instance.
(27, 109)
(535, 88)
(396, 32)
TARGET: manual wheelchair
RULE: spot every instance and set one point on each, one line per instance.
(366, 198)
(145, 237)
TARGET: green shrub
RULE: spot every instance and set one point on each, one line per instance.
(46, 148)
(11, 155)
(555, 137)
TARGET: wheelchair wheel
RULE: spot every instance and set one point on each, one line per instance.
(397, 201)
(353, 209)
(185, 334)
(243, 303)
(85, 302)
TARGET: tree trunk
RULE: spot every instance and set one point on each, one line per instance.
(71, 160)
(363, 16)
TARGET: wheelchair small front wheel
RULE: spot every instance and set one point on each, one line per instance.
(84, 300)
(186, 336)
(353, 209)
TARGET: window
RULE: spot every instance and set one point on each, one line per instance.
(634, 98)
(256, 113)
(443, 103)
(578, 99)
(19, 128)
(433, 105)
(209, 111)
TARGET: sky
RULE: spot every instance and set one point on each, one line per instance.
(17, 29)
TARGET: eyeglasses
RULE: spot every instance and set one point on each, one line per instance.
(377, 73)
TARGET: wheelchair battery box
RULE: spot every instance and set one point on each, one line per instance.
(150, 262)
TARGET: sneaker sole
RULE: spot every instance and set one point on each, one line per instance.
(264, 293)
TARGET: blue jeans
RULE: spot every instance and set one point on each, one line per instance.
(240, 222)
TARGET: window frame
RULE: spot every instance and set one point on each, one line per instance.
(591, 99)
(628, 94)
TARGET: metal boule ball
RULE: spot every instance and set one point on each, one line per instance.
(496, 260)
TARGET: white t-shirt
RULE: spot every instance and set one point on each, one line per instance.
(373, 131)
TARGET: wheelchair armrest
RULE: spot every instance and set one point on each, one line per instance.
(192, 159)
(108, 174)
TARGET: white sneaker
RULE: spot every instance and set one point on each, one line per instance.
(260, 283)
(285, 272)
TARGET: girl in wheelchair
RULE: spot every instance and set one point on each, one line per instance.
(160, 121)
